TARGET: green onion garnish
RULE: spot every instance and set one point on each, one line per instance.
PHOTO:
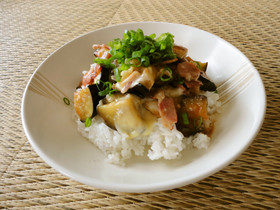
(117, 74)
(66, 101)
(166, 74)
(185, 118)
(106, 63)
(199, 123)
(88, 122)
(106, 88)
(198, 65)
(136, 49)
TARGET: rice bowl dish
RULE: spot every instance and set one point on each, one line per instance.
(58, 142)
(176, 79)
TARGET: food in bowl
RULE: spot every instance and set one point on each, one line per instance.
(144, 95)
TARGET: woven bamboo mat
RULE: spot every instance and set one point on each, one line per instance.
(31, 30)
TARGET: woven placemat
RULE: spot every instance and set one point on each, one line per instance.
(31, 30)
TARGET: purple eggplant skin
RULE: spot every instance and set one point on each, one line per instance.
(207, 85)
(94, 89)
(139, 90)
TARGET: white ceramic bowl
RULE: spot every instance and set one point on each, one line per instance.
(51, 129)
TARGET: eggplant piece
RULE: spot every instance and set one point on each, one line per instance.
(200, 65)
(139, 90)
(105, 74)
(207, 85)
(126, 114)
(192, 115)
(86, 99)
(180, 51)
(95, 97)
(83, 103)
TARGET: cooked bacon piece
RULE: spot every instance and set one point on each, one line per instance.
(133, 76)
(128, 82)
(188, 71)
(169, 61)
(89, 76)
(167, 112)
(174, 92)
(194, 86)
(180, 52)
(101, 51)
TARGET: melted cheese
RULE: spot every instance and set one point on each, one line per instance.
(127, 115)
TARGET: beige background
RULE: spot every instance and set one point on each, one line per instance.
(31, 30)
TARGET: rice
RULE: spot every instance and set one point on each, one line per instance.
(161, 143)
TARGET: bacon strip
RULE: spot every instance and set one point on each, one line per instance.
(89, 76)
(168, 113)
(188, 71)
(129, 82)
(167, 110)
(101, 51)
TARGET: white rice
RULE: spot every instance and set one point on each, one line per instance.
(161, 143)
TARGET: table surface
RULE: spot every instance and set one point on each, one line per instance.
(31, 30)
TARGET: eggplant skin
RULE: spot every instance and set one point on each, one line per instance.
(105, 75)
(139, 90)
(207, 85)
(95, 98)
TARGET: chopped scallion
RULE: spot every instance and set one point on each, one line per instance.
(106, 63)
(106, 89)
(198, 65)
(66, 101)
(117, 75)
(199, 123)
(88, 122)
(166, 74)
(185, 118)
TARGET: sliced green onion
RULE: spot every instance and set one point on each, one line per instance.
(66, 101)
(198, 65)
(106, 63)
(185, 118)
(106, 89)
(180, 80)
(135, 45)
(135, 62)
(152, 36)
(166, 72)
(145, 61)
(117, 74)
(136, 54)
(199, 123)
(124, 67)
(88, 122)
